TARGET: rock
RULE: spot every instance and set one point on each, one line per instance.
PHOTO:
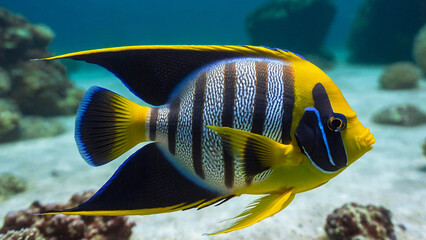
(419, 49)
(424, 148)
(42, 35)
(70, 103)
(41, 87)
(14, 126)
(400, 75)
(71, 227)
(9, 120)
(299, 26)
(5, 84)
(11, 185)
(354, 222)
(37, 127)
(383, 31)
(403, 115)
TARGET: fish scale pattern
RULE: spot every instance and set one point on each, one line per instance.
(243, 99)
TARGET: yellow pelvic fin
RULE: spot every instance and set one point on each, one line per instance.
(260, 209)
(256, 153)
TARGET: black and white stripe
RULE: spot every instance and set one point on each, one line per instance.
(288, 101)
(173, 124)
(230, 77)
(184, 130)
(197, 124)
(274, 102)
(260, 97)
(162, 126)
(212, 143)
(152, 123)
(249, 94)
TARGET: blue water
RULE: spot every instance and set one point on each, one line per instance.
(87, 24)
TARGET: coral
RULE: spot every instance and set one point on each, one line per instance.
(419, 49)
(400, 75)
(23, 234)
(9, 120)
(424, 148)
(40, 87)
(68, 227)
(45, 82)
(383, 31)
(11, 185)
(280, 23)
(5, 83)
(353, 221)
(14, 126)
(403, 115)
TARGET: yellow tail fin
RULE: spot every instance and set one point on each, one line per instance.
(108, 125)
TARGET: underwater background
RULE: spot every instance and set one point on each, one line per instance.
(374, 50)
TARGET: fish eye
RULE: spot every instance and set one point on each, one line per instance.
(336, 122)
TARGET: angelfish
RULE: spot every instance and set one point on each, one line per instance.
(224, 121)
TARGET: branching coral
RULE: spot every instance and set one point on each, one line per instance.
(69, 227)
(353, 221)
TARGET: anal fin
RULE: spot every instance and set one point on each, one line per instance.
(147, 183)
(260, 209)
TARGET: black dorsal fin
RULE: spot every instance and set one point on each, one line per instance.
(152, 72)
(147, 183)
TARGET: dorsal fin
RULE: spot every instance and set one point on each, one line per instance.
(152, 72)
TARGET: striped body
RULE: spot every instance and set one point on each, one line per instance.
(249, 94)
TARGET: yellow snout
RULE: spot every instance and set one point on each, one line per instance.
(357, 140)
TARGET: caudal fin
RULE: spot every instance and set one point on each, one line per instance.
(108, 125)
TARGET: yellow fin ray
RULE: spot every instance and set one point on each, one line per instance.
(260, 209)
(255, 152)
(108, 125)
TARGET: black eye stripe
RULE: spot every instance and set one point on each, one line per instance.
(320, 138)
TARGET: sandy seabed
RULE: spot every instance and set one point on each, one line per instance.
(390, 175)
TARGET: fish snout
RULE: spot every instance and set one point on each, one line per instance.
(369, 140)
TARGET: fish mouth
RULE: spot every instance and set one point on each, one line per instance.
(369, 140)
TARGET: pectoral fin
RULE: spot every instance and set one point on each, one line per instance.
(260, 209)
(256, 153)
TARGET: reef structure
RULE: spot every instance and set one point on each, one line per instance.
(30, 88)
(11, 185)
(354, 222)
(297, 25)
(383, 30)
(419, 49)
(406, 115)
(400, 75)
(69, 227)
